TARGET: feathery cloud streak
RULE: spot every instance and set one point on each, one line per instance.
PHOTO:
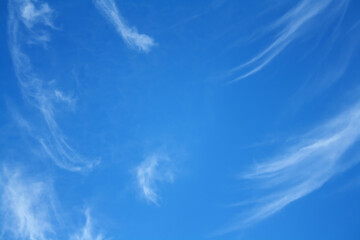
(86, 232)
(152, 171)
(26, 206)
(28, 209)
(29, 21)
(305, 166)
(291, 25)
(129, 34)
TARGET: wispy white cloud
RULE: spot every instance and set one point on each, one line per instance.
(305, 166)
(153, 170)
(60, 96)
(87, 232)
(41, 94)
(27, 206)
(32, 14)
(28, 209)
(129, 34)
(291, 27)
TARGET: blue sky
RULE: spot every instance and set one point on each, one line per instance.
(179, 120)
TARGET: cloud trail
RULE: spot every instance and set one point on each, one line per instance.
(152, 171)
(129, 34)
(29, 20)
(291, 27)
(305, 166)
(26, 206)
(87, 232)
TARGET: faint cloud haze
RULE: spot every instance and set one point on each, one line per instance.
(27, 207)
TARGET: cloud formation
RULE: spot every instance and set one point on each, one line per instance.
(28, 209)
(31, 20)
(304, 166)
(87, 232)
(26, 206)
(129, 34)
(153, 170)
(291, 26)
(31, 14)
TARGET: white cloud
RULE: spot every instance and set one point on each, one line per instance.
(36, 91)
(129, 34)
(31, 17)
(305, 166)
(26, 206)
(32, 14)
(28, 209)
(60, 96)
(290, 24)
(87, 232)
(153, 170)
